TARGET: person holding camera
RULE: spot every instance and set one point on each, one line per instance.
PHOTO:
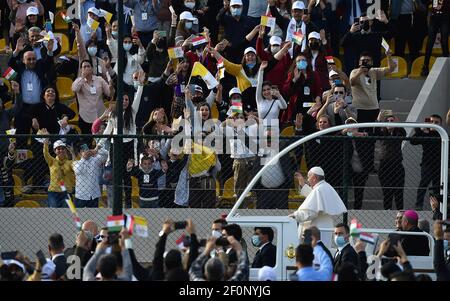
(108, 265)
(337, 105)
(215, 269)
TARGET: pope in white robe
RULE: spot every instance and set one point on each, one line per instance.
(322, 203)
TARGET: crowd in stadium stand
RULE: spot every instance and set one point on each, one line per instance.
(273, 64)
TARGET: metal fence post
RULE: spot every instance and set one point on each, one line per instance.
(118, 147)
(346, 176)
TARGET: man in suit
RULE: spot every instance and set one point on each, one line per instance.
(345, 252)
(412, 244)
(56, 249)
(267, 252)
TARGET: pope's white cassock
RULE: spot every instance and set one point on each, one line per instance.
(321, 204)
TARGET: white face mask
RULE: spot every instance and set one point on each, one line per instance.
(127, 46)
(136, 84)
(189, 5)
(216, 234)
(275, 49)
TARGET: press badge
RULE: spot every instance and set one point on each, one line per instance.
(93, 90)
(367, 79)
(146, 178)
(306, 90)
(144, 16)
(29, 87)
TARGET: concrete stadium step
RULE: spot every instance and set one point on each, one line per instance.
(400, 88)
(397, 105)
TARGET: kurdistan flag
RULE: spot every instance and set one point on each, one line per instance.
(115, 223)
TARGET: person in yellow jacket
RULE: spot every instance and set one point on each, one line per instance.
(61, 172)
(246, 75)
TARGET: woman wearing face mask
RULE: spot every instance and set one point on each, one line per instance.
(246, 75)
(316, 52)
(132, 58)
(112, 32)
(129, 128)
(303, 88)
(185, 28)
(269, 101)
(90, 52)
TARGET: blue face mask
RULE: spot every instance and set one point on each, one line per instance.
(250, 65)
(127, 46)
(301, 65)
(256, 241)
(236, 12)
(337, 82)
(339, 240)
(188, 25)
(445, 245)
(114, 34)
(92, 51)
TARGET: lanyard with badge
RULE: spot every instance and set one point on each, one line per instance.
(144, 10)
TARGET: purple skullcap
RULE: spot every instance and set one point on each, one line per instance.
(412, 215)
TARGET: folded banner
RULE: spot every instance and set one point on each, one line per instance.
(175, 52)
(268, 21)
(208, 78)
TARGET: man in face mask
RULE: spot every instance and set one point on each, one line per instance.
(275, 43)
(236, 26)
(266, 254)
(345, 252)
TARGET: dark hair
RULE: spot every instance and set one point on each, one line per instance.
(403, 276)
(366, 53)
(177, 274)
(346, 227)
(173, 260)
(304, 254)
(389, 268)
(145, 158)
(214, 269)
(220, 221)
(423, 277)
(341, 86)
(52, 87)
(56, 241)
(436, 116)
(127, 113)
(266, 231)
(234, 230)
(39, 23)
(86, 61)
(107, 266)
(204, 104)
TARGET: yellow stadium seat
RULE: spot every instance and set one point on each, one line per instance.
(64, 42)
(2, 44)
(134, 187)
(74, 50)
(338, 63)
(27, 204)
(217, 188)
(76, 127)
(59, 4)
(437, 49)
(64, 86)
(74, 107)
(214, 111)
(228, 189)
(60, 25)
(402, 67)
(417, 66)
(18, 184)
(288, 131)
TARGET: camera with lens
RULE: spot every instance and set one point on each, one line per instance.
(222, 242)
(180, 225)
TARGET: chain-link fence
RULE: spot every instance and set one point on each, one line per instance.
(375, 172)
